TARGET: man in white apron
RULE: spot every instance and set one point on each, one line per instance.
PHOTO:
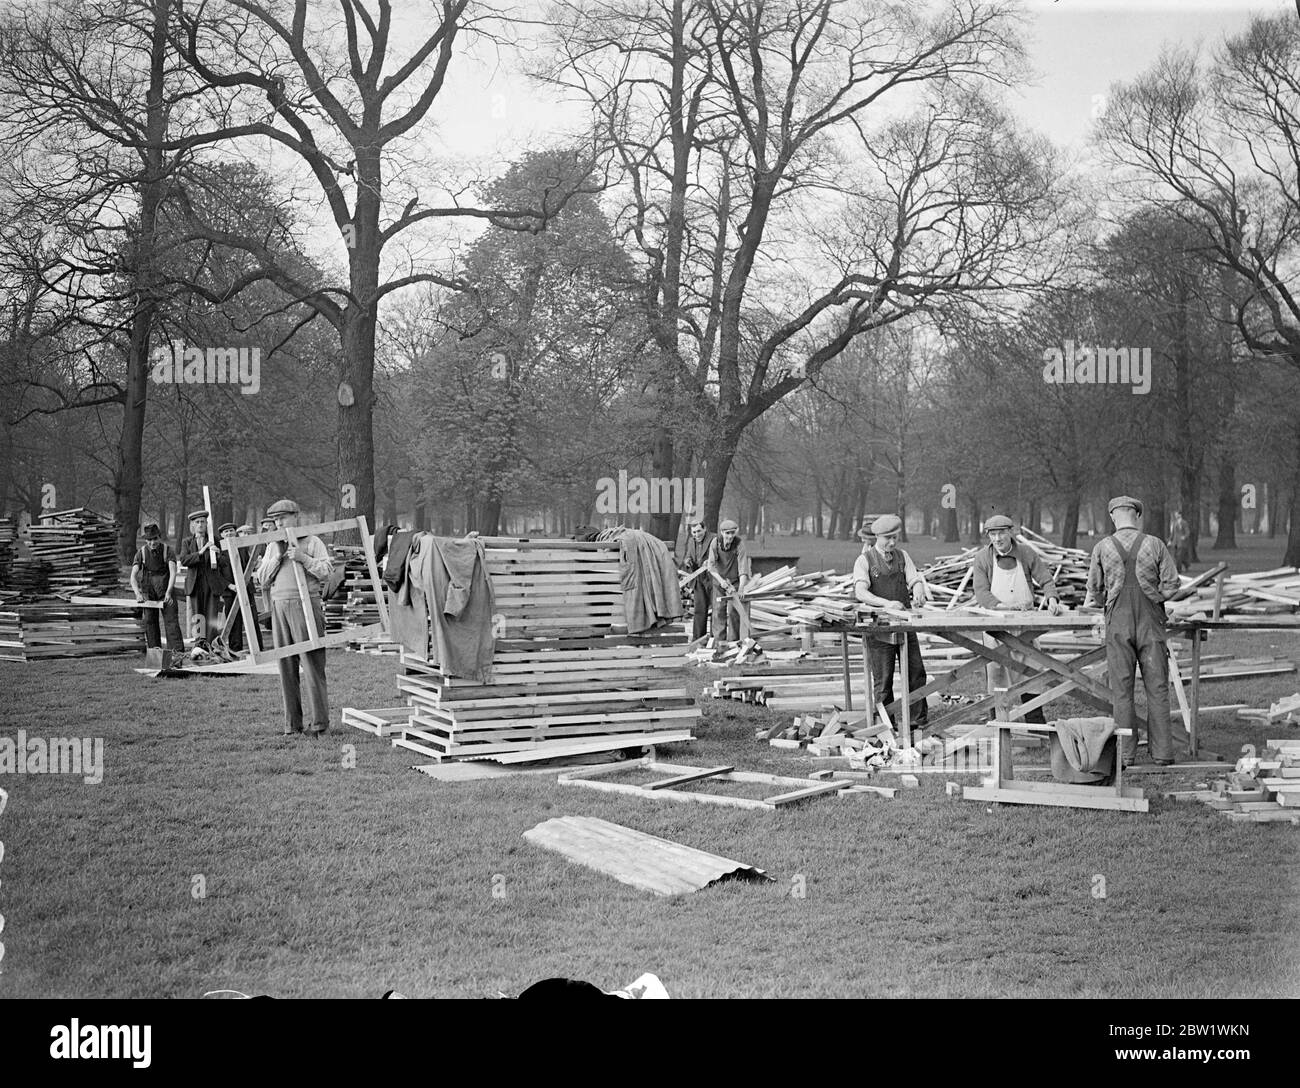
(1004, 577)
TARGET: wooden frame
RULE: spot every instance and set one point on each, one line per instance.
(798, 789)
(318, 640)
(1003, 787)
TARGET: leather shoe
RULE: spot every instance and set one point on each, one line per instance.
(1163, 762)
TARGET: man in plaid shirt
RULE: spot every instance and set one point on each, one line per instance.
(1132, 575)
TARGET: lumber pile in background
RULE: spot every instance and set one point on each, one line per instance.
(949, 576)
(8, 549)
(566, 677)
(37, 631)
(1263, 593)
(80, 548)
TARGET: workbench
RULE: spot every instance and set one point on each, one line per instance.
(1198, 631)
(1040, 673)
(1012, 633)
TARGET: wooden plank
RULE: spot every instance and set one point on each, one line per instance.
(1026, 797)
(118, 602)
(692, 776)
(670, 795)
(803, 794)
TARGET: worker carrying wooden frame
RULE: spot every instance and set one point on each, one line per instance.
(317, 639)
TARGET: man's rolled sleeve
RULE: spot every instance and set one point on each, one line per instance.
(1042, 576)
(1167, 570)
(982, 581)
(1096, 579)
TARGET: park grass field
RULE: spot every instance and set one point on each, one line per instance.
(323, 880)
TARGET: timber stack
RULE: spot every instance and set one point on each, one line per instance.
(1215, 593)
(80, 548)
(38, 631)
(567, 678)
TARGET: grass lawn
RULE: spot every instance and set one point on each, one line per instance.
(325, 880)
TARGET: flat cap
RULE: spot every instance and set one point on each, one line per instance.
(726, 524)
(888, 523)
(283, 506)
(999, 521)
(1123, 500)
(224, 526)
(151, 531)
(196, 514)
(866, 534)
(245, 528)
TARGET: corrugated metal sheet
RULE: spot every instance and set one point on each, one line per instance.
(633, 857)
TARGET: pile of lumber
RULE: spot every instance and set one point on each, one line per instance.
(784, 600)
(949, 576)
(566, 677)
(1264, 789)
(34, 632)
(8, 548)
(80, 548)
(1214, 593)
(1284, 712)
(872, 744)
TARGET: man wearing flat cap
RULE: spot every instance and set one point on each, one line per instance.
(276, 574)
(229, 598)
(1132, 575)
(884, 576)
(203, 584)
(729, 565)
(698, 542)
(153, 576)
(1004, 576)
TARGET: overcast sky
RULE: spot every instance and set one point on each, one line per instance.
(1077, 47)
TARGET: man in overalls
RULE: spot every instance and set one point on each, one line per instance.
(1133, 574)
(1003, 576)
(884, 577)
(153, 574)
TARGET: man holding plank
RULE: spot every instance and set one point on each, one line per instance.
(203, 586)
(156, 567)
(285, 567)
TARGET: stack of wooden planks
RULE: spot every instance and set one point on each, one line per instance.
(80, 548)
(1262, 593)
(38, 631)
(1267, 793)
(949, 576)
(8, 549)
(566, 677)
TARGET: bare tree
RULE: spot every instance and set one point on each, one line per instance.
(781, 203)
(350, 112)
(1218, 145)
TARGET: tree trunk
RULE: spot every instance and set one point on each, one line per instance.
(1155, 518)
(1035, 517)
(1070, 523)
(129, 476)
(1274, 508)
(1228, 497)
(718, 466)
(662, 466)
(951, 532)
(973, 505)
(1292, 556)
